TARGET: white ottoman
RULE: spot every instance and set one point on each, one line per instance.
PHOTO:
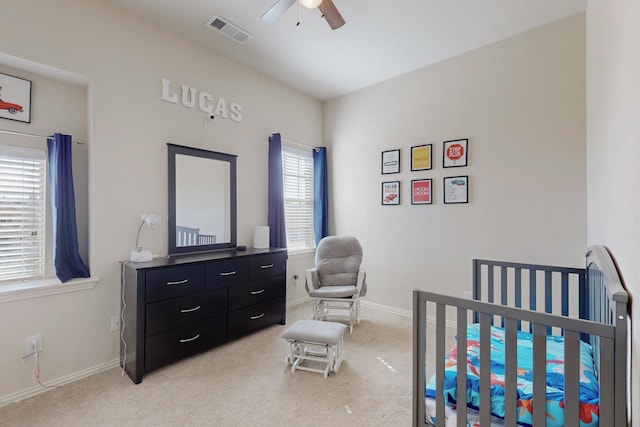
(317, 341)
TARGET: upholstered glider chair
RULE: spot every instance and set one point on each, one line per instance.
(337, 282)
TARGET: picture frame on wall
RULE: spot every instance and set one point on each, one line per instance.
(454, 153)
(391, 193)
(15, 98)
(391, 161)
(456, 189)
(421, 157)
(421, 192)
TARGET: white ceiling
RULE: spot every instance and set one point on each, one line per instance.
(380, 40)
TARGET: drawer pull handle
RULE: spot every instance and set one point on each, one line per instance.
(190, 339)
(228, 273)
(257, 317)
(179, 282)
(190, 310)
(257, 292)
(266, 266)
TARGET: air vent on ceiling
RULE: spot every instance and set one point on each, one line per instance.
(228, 29)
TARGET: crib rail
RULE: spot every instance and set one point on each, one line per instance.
(581, 304)
(540, 322)
(551, 289)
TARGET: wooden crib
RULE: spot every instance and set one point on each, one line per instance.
(580, 308)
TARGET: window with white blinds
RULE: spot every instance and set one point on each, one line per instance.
(297, 171)
(22, 214)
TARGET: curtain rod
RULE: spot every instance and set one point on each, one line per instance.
(31, 135)
(299, 145)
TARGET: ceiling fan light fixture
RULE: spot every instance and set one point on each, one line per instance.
(311, 4)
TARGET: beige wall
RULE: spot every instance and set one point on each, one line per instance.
(613, 133)
(122, 59)
(521, 103)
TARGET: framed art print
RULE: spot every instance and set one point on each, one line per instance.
(391, 193)
(421, 157)
(455, 153)
(15, 98)
(390, 161)
(421, 192)
(456, 189)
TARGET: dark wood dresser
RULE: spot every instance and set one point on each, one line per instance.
(179, 306)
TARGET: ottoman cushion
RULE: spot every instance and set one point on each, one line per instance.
(315, 331)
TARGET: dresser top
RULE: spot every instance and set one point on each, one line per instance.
(201, 257)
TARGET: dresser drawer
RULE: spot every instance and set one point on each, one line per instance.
(250, 319)
(178, 343)
(174, 282)
(226, 273)
(266, 266)
(246, 294)
(169, 314)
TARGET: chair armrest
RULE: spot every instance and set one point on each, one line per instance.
(361, 284)
(312, 280)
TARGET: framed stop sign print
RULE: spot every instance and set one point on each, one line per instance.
(455, 153)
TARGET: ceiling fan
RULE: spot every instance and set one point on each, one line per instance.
(326, 7)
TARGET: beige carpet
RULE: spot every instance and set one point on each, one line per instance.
(246, 383)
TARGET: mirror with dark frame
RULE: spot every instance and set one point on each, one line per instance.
(202, 200)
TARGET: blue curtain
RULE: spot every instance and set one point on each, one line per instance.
(67, 261)
(277, 229)
(320, 194)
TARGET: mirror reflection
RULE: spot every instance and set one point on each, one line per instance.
(201, 200)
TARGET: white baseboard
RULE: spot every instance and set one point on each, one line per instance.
(49, 385)
(405, 313)
(381, 307)
(385, 308)
(298, 301)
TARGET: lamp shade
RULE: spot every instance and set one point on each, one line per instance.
(142, 255)
(311, 4)
(152, 220)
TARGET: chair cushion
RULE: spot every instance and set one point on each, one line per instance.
(338, 260)
(333, 292)
(315, 331)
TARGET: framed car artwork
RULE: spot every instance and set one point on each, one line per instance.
(391, 193)
(15, 98)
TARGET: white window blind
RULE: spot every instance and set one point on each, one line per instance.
(297, 171)
(22, 214)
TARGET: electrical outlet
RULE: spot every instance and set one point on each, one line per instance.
(34, 340)
(115, 323)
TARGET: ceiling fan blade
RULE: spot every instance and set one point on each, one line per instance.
(331, 14)
(277, 10)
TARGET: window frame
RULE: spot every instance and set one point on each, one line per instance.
(306, 154)
(38, 204)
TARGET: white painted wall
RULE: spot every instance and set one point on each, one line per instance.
(521, 103)
(123, 58)
(613, 149)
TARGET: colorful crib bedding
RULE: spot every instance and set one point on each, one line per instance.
(589, 399)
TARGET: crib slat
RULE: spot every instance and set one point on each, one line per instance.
(503, 290)
(539, 375)
(606, 381)
(440, 352)
(485, 369)
(419, 356)
(571, 379)
(518, 293)
(461, 368)
(548, 296)
(490, 284)
(565, 294)
(511, 366)
(533, 295)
